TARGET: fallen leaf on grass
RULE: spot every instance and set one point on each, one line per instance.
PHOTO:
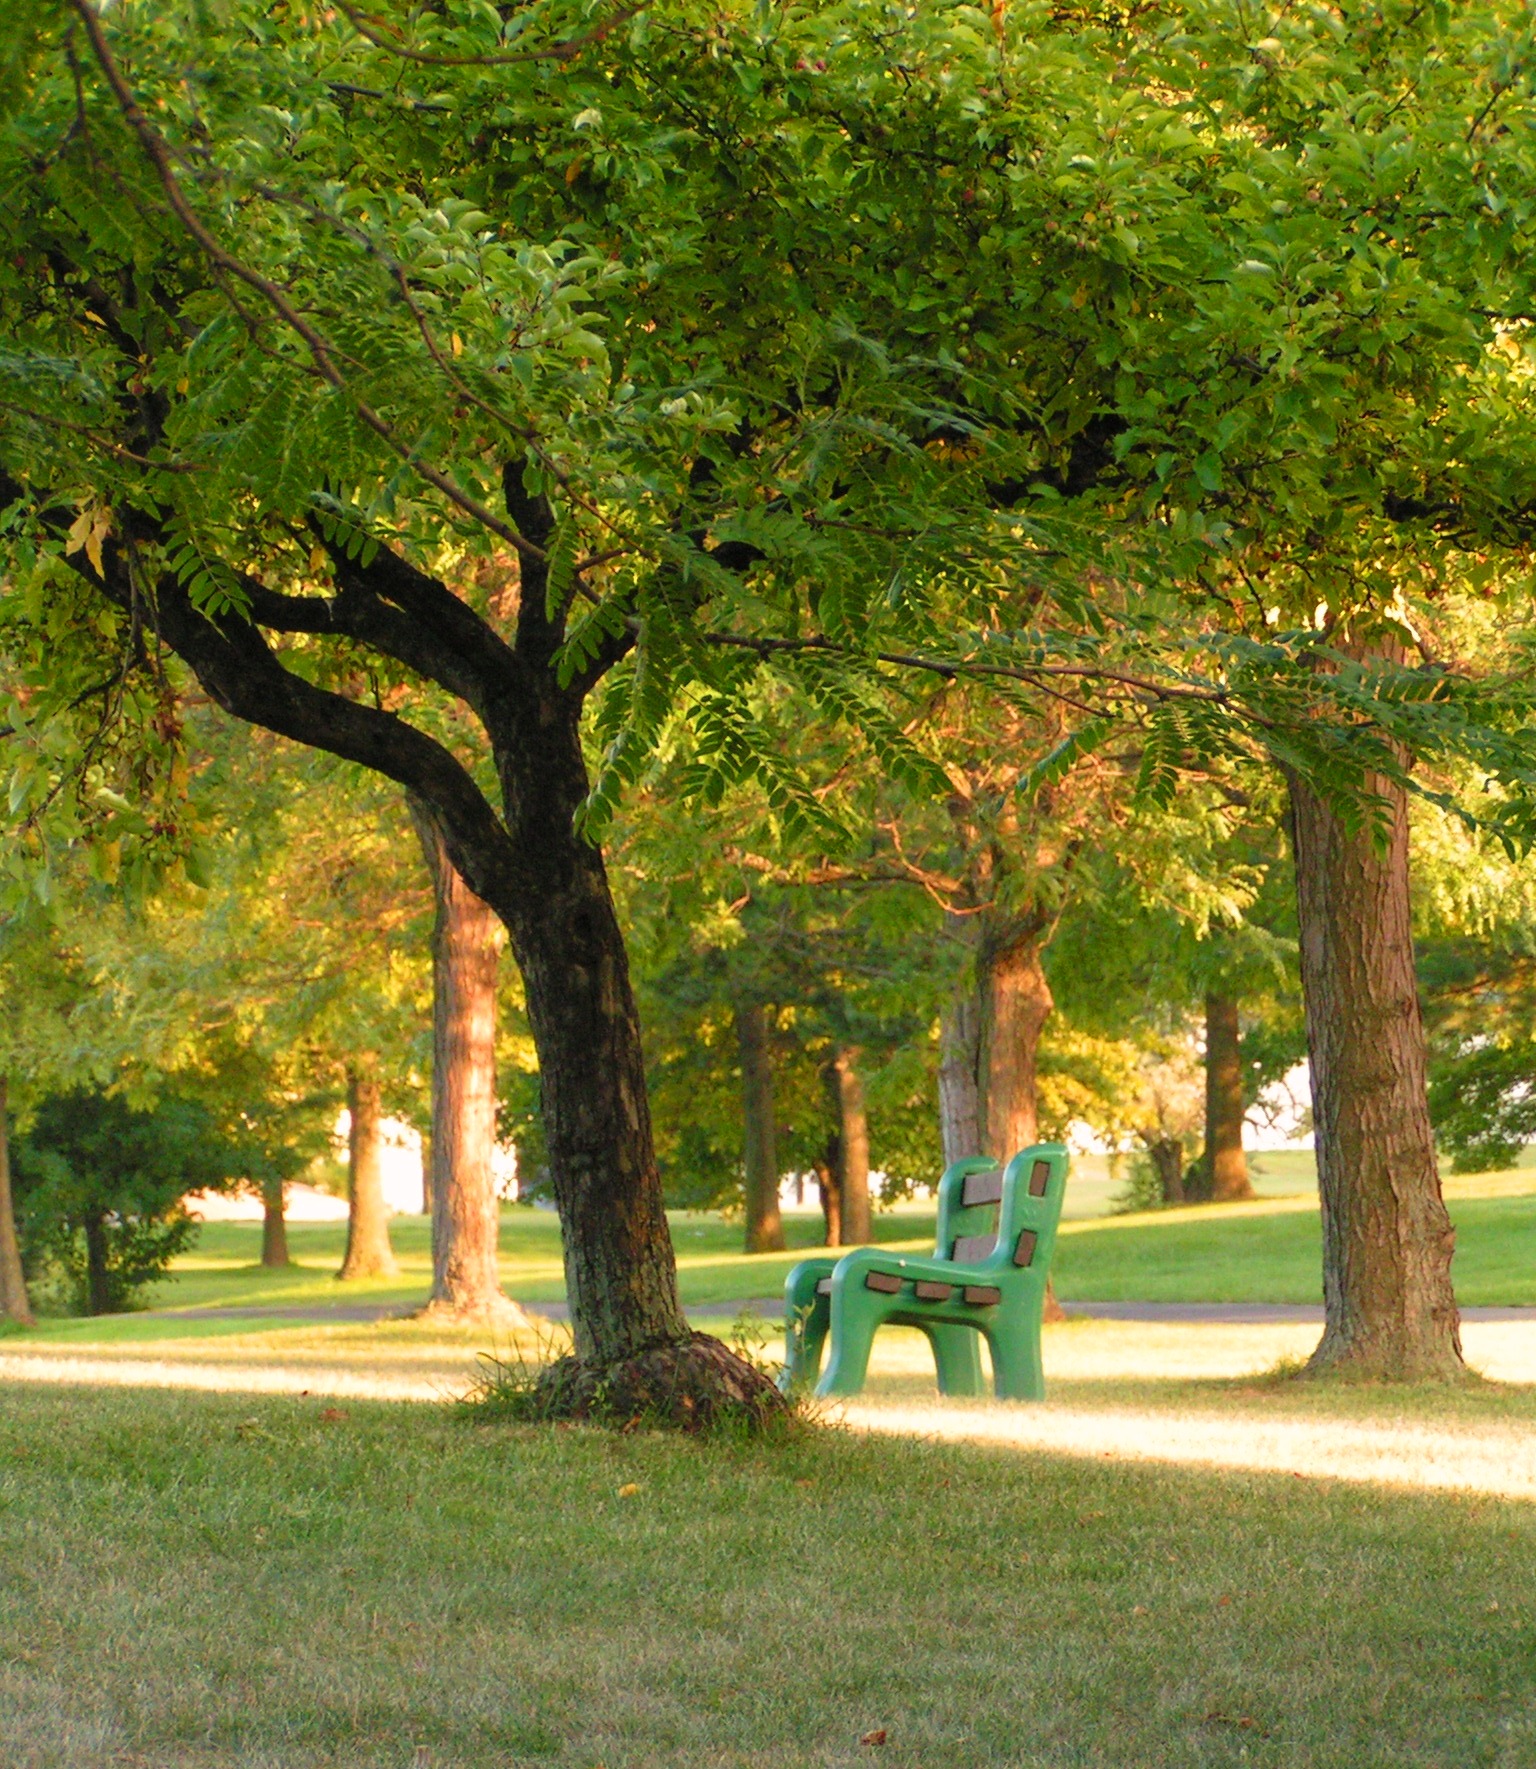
(1242, 1722)
(875, 1737)
(1223, 1602)
(629, 1489)
(331, 1415)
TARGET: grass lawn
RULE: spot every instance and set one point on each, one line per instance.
(1267, 1251)
(206, 1581)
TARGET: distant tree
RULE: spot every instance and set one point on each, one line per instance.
(14, 1302)
(101, 1184)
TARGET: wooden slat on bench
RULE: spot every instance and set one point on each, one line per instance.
(982, 1188)
(929, 1291)
(1039, 1179)
(885, 1282)
(972, 1249)
(1024, 1250)
(824, 1287)
(982, 1295)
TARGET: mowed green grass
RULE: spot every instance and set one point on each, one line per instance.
(215, 1582)
(1266, 1251)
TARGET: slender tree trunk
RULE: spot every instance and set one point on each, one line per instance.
(1387, 1241)
(1224, 1104)
(274, 1224)
(426, 1172)
(368, 1251)
(1167, 1155)
(98, 1295)
(764, 1229)
(959, 1093)
(467, 939)
(847, 1093)
(14, 1305)
(831, 1193)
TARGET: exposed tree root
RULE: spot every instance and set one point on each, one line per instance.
(495, 1310)
(688, 1387)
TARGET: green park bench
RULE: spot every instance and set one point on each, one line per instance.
(987, 1276)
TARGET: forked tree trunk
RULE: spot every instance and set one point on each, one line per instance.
(368, 1251)
(1224, 1105)
(98, 1293)
(847, 1095)
(831, 1194)
(467, 941)
(960, 1115)
(14, 1305)
(274, 1224)
(764, 1228)
(1387, 1240)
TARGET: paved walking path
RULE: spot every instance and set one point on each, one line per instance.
(1225, 1313)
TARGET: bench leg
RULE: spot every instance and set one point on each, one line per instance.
(1016, 1369)
(853, 1333)
(956, 1357)
(806, 1318)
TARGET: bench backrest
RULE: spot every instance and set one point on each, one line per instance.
(981, 1206)
(969, 1195)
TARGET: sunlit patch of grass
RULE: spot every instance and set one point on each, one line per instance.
(229, 1582)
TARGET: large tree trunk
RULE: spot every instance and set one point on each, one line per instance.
(847, 1094)
(764, 1229)
(1016, 1001)
(467, 938)
(14, 1305)
(1387, 1240)
(368, 1251)
(960, 1115)
(620, 1273)
(1224, 1104)
(274, 1224)
(98, 1294)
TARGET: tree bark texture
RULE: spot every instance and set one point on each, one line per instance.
(960, 1116)
(1016, 1002)
(1225, 1107)
(764, 1228)
(847, 1094)
(368, 1254)
(98, 1296)
(1167, 1157)
(1390, 1312)
(274, 1224)
(14, 1305)
(467, 940)
(831, 1194)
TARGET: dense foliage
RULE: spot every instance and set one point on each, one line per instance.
(100, 1184)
